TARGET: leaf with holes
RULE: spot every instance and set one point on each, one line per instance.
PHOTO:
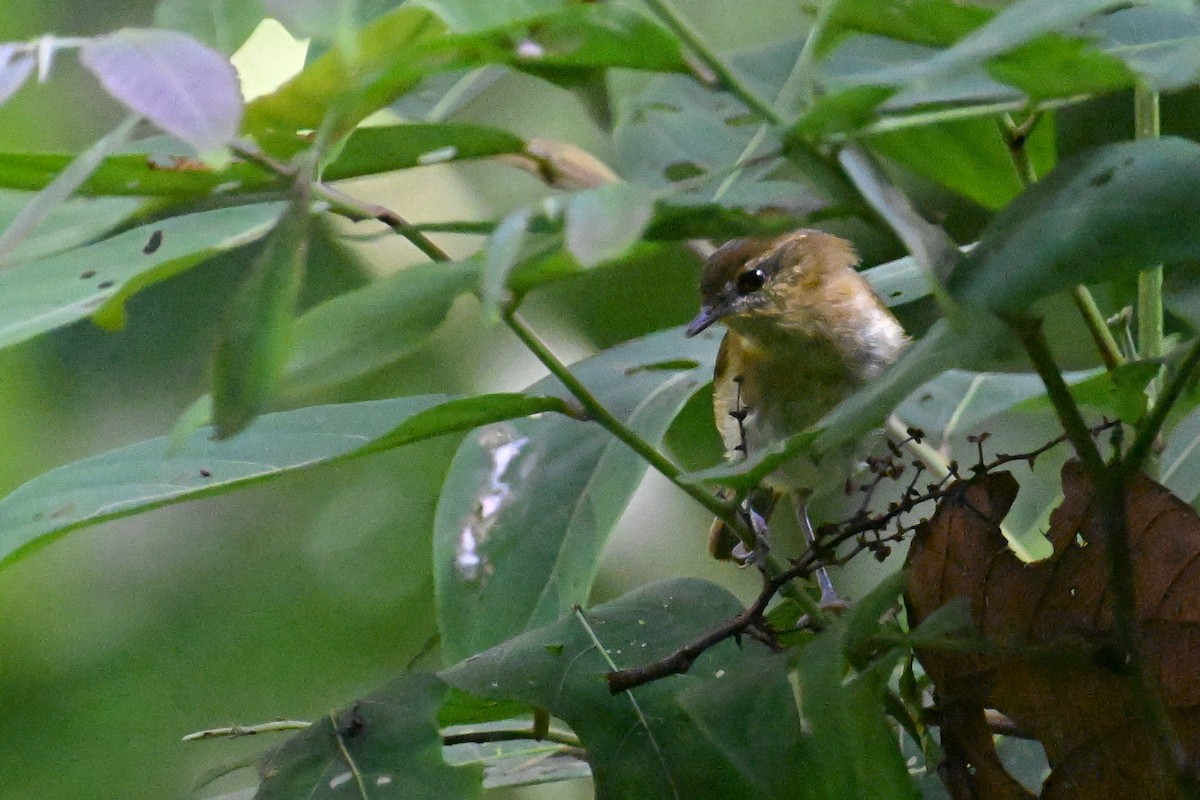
(528, 505)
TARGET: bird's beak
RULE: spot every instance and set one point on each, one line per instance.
(707, 316)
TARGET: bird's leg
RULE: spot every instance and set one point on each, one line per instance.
(829, 596)
(758, 524)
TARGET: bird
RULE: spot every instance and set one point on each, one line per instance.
(804, 330)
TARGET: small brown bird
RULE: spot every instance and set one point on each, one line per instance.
(805, 330)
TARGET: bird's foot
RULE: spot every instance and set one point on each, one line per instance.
(830, 599)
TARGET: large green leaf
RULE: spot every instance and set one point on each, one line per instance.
(361, 331)
(399, 49)
(41, 295)
(71, 224)
(1107, 212)
(1160, 45)
(644, 743)
(384, 745)
(154, 473)
(968, 156)
(257, 334)
(368, 151)
(527, 506)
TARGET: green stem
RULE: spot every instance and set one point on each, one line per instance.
(616, 427)
(1106, 343)
(804, 62)
(1150, 338)
(1143, 445)
(1015, 138)
(1150, 310)
(1033, 339)
(346, 206)
(724, 73)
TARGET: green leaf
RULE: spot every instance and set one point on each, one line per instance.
(1017, 24)
(603, 223)
(968, 156)
(72, 224)
(41, 295)
(257, 336)
(936, 23)
(400, 48)
(465, 16)
(1118, 393)
(855, 750)
(504, 250)
(1110, 211)
(1180, 471)
(644, 743)
(527, 506)
(157, 472)
(516, 762)
(958, 401)
(221, 24)
(60, 187)
(368, 151)
(364, 330)
(384, 745)
(1161, 46)
(863, 621)
(384, 148)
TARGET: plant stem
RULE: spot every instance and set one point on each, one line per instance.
(344, 205)
(1106, 343)
(1033, 339)
(724, 72)
(616, 427)
(1015, 138)
(1139, 452)
(1149, 309)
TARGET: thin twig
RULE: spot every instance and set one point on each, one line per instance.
(234, 731)
(752, 618)
(1033, 339)
(725, 512)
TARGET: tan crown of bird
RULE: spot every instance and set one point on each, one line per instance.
(805, 330)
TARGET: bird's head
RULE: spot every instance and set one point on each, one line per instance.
(749, 283)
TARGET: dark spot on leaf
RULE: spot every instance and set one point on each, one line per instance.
(205, 473)
(1127, 161)
(925, 398)
(154, 243)
(661, 107)
(91, 273)
(675, 365)
(62, 512)
(896, 293)
(353, 726)
(1103, 177)
(104, 285)
(682, 170)
(741, 119)
(554, 649)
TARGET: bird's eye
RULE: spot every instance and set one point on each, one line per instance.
(751, 281)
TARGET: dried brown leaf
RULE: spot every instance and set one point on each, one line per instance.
(1051, 662)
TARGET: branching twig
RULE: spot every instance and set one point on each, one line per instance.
(829, 538)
